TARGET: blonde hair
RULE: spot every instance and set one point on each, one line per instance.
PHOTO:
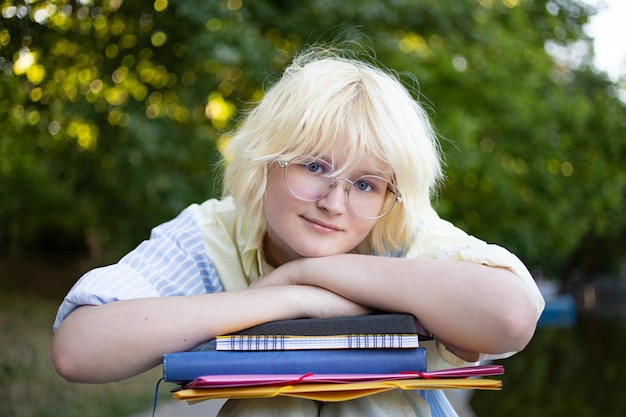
(321, 98)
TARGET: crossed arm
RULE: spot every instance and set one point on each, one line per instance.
(470, 307)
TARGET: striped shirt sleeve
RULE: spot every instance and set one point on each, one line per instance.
(172, 262)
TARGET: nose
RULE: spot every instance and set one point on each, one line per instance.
(336, 201)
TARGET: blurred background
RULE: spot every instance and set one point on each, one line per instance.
(112, 115)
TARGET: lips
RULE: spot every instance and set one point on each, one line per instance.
(322, 226)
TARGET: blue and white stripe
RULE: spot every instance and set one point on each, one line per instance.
(172, 262)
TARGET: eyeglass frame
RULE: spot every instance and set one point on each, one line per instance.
(397, 197)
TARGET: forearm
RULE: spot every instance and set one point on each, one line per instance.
(472, 306)
(117, 340)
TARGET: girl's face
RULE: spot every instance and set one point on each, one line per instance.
(297, 228)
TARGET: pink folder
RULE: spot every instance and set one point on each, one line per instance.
(222, 381)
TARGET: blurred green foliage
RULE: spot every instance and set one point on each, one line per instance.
(111, 113)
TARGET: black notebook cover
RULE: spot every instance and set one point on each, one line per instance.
(385, 323)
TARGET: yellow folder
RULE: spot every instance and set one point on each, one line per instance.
(333, 392)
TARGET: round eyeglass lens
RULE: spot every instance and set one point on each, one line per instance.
(371, 197)
(309, 178)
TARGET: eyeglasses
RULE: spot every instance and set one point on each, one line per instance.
(369, 197)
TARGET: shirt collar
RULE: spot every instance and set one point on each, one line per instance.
(250, 249)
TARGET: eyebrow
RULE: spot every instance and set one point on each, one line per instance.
(375, 171)
(388, 175)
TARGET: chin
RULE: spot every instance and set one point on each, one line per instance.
(321, 252)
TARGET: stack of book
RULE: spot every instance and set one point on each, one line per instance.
(326, 359)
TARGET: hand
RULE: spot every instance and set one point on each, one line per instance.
(316, 301)
(283, 275)
(321, 303)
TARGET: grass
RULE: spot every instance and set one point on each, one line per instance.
(31, 388)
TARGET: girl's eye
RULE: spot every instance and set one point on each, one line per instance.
(363, 185)
(317, 168)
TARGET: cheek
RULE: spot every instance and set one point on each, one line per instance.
(365, 228)
(277, 200)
